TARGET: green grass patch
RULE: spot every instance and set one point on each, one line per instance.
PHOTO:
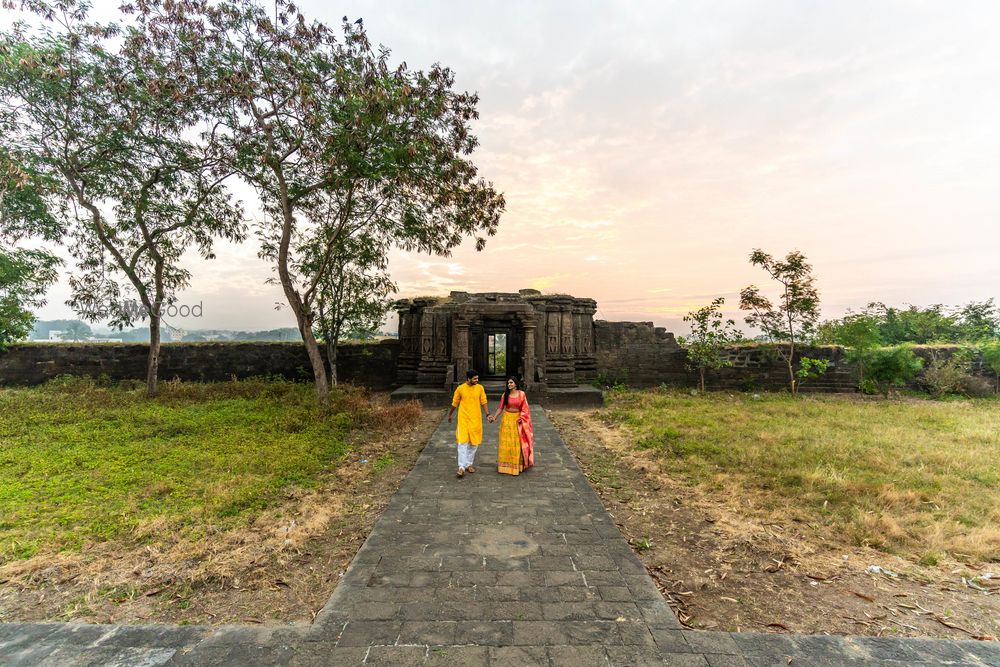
(915, 477)
(82, 463)
(383, 462)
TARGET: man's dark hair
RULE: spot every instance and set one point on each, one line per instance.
(469, 374)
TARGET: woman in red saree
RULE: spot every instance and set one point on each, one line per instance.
(517, 443)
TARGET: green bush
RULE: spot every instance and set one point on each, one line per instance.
(811, 368)
(891, 367)
(612, 379)
(991, 359)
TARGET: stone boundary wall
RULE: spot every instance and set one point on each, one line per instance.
(372, 365)
(634, 353)
(641, 355)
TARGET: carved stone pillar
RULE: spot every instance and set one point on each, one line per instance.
(586, 359)
(460, 347)
(426, 335)
(529, 352)
(431, 370)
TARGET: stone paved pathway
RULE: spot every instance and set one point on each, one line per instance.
(486, 570)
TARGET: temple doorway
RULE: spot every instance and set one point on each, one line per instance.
(496, 351)
(496, 354)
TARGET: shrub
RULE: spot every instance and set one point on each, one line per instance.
(893, 367)
(948, 374)
(991, 359)
(977, 387)
(611, 379)
(811, 368)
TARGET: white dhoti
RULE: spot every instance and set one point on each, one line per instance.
(466, 454)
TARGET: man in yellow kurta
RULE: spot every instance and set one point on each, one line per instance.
(469, 398)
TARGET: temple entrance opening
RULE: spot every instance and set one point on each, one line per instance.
(496, 355)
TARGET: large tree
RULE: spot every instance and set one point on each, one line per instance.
(335, 140)
(111, 128)
(796, 312)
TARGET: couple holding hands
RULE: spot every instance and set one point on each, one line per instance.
(516, 452)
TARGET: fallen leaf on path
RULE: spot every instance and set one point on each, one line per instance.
(947, 624)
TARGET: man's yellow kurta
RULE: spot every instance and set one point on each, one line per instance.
(468, 398)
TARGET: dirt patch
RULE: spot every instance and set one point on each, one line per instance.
(722, 568)
(280, 568)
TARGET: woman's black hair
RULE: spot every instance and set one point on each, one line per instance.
(506, 392)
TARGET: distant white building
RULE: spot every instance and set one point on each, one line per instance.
(59, 337)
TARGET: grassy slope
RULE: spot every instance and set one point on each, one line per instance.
(914, 477)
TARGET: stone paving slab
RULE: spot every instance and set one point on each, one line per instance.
(486, 570)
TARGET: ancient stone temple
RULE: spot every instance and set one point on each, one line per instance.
(545, 340)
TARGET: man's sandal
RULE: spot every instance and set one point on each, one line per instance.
(460, 473)
(470, 469)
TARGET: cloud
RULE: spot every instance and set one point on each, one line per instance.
(645, 148)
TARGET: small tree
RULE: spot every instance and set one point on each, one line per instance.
(795, 315)
(354, 297)
(710, 335)
(979, 320)
(891, 367)
(991, 359)
(859, 333)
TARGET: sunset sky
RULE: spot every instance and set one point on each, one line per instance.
(645, 148)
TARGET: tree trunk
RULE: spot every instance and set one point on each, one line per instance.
(304, 321)
(331, 367)
(316, 361)
(303, 314)
(701, 383)
(332, 354)
(791, 373)
(153, 360)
